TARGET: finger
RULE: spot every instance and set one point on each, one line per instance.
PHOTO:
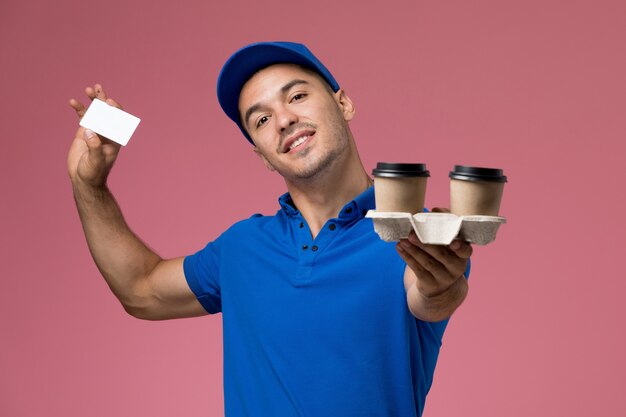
(444, 254)
(461, 248)
(447, 258)
(103, 140)
(439, 252)
(93, 141)
(96, 152)
(91, 92)
(114, 103)
(425, 282)
(425, 260)
(100, 94)
(440, 210)
(421, 272)
(409, 259)
(78, 107)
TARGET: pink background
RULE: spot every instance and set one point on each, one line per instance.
(535, 87)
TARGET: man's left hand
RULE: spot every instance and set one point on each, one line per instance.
(436, 267)
(433, 278)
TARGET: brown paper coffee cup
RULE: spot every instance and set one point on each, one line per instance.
(400, 187)
(476, 191)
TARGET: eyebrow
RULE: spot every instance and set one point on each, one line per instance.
(283, 90)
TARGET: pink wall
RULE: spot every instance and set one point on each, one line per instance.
(535, 87)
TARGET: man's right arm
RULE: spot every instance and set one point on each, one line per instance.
(148, 287)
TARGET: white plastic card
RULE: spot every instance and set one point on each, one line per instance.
(110, 122)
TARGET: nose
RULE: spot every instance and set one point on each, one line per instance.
(285, 117)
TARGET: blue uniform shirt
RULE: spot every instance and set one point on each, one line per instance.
(315, 327)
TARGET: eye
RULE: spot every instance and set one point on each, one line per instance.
(298, 97)
(262, 121)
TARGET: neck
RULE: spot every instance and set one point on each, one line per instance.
(321, 198)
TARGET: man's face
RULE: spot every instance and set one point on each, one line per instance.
(298, 125)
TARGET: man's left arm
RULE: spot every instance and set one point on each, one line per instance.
(434, 277)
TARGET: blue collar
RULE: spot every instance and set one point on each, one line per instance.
(354, 209)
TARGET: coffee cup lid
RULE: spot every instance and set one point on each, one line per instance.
(395, 170)
(467, 173)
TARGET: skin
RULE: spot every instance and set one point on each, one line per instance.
(147, 286)
(322, 175)
(433, 279)
(325, 172)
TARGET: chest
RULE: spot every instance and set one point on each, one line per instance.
(281, 287)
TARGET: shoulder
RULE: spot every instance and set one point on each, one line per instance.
(253, 224)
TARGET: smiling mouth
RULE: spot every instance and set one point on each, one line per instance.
(296, 143)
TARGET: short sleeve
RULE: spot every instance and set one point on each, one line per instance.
(202, 274)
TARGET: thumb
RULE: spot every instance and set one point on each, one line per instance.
(95, 146)
(93, 141)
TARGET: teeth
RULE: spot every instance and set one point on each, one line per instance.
(298, 142)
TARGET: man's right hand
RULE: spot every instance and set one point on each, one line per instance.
(91, 156)
(148, 287)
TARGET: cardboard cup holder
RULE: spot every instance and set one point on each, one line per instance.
(435, 228)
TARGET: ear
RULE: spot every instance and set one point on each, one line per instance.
(345, 104)
(264, 159)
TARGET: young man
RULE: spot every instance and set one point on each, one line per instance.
(320, 316)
